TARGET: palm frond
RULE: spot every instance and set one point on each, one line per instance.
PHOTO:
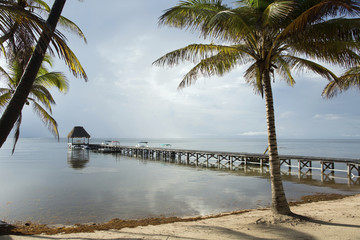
(5, 96)
(331, 90)
(15, 72)
(350, 79)
(193, 53)
(278, 12)
(47, 59)
(41, 94)
(299, 64)
(53, 79)
(64, 22)
(65, 53)
(68, 24)
(211, 18)
(284, 70)
(192, 14)
(332, 30)
(47, 119)
(320, 11)
(38, 6)
(339, 29)
(340, 53)
(254, 78)
(4, 73)
(231, 25)
(218, 65)
(11, 12)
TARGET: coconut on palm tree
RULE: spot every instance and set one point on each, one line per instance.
(273, 38)
(40, 98)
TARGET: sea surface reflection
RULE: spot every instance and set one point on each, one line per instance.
(44, 182)
(78, 158)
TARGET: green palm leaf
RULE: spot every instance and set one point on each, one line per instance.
(219, 64)
(350, 79)
(46, 118)
(311, 12)
(39, 93)
(193, 14)
(5, 96)
(278, 12)
(53, 79)
(68, 24)
(193, 53)
(254, 78)
(299, 64)
(65, 53)
(284, 70)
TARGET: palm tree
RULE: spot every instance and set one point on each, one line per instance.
(48, 35)
(349, 80)
(271, 37)
(40, 97)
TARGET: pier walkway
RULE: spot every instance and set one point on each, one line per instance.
(234, 160)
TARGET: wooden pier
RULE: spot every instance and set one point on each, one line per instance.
(235, 160)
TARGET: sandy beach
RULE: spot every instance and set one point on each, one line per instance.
(334, 219)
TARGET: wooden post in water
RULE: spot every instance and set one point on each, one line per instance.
(172, 155)
(289, 164)
(349, 168)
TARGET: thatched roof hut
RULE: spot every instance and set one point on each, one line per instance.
(78, 132)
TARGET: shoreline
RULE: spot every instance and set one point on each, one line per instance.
(263, 216)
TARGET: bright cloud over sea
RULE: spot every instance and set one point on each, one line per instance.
(126, 96)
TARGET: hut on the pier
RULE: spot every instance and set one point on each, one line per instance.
(80, 135)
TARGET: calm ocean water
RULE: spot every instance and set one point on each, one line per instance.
(46, 183)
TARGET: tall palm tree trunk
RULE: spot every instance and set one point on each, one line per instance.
(279, 202)
(16, 104)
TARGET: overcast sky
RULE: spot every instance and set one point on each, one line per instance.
(128, 97)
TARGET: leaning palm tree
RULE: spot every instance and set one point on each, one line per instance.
(49, 36)
(39, 98)
(273, 38)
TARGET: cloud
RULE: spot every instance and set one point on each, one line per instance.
(252, 134)
(286, 115)
(127, 96)
(328, 117)
(351, 135)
